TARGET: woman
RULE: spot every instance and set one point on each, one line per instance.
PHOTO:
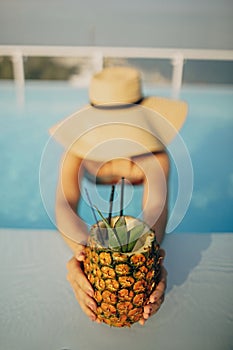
(120, 134)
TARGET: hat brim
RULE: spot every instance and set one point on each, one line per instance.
(103, 134)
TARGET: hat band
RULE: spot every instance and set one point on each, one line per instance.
(116, 106)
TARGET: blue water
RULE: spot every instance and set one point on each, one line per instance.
(208, 135)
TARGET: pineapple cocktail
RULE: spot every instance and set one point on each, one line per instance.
(122, 264)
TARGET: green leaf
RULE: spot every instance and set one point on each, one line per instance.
(121, 230)
(134, 234)
(114, 241)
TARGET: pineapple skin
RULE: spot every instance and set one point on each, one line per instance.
(122, 282)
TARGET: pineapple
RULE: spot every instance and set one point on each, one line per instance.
(122, 264)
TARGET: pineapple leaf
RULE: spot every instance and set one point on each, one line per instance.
(103, 218)
(134, 234)
(121, 230)
(114, 241)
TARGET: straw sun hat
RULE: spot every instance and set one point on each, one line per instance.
(119, 121)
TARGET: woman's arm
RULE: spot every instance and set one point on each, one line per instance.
(155, 196)
(155, 202)
(74, 230)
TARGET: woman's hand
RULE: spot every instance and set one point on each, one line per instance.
(81, 286)
(157, 297)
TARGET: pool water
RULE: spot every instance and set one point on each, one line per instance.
(208, 135)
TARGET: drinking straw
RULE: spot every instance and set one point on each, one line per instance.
(111, 204)
(122, 196)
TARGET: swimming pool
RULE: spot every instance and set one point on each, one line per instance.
(207, 134)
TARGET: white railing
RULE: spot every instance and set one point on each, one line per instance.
(176, 57)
